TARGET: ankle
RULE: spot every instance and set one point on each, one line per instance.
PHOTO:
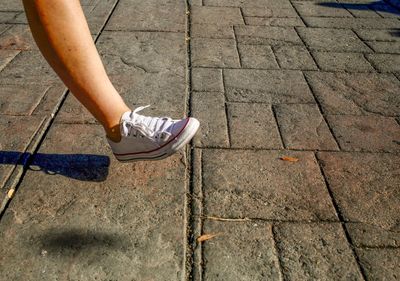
(113, 133)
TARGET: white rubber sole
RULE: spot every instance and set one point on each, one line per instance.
(180, 141)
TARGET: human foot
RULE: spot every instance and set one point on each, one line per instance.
(151, 138)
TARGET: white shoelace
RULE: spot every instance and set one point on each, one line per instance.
(154, 128)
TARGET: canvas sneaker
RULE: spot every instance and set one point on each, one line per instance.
(151, 138)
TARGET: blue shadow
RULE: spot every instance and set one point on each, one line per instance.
(84, 167)
(379, 6)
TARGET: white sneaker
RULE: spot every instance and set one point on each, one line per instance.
(151, 138)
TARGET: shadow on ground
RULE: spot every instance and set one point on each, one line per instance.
(378, 6)
(84, 167)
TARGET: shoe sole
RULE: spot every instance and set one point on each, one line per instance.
(183, 138)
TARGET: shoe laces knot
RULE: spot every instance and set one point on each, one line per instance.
(154, 128)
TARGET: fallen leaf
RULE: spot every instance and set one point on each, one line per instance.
(10, 193)
(206, 237)
(289, 159)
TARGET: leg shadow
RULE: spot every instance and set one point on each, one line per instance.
(84, 167)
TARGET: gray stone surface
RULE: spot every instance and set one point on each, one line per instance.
(212, 31)
(207, 79)
(216, 15)
(21, 99)
(377, 34)
(270, 11)
(385, 62)
(356, 94)
(303, 127)
(271, 35)
(365, 186)
(28, 67)
(243, 250)
(283, 22)
(342, 62)
(78, 215)
(6, 56)
(148, 16)
(132, 53)
(372, 236)
(246, 85)
(385, 47)
(294, 57)
(18, 37)
(378, 23)
(209, 108)
(337, 40)
(315, 252)
(253, 126)
(214, 53)
(257, 56)
(381, 264)
(378, 134)
(258, 184)
(316, 9)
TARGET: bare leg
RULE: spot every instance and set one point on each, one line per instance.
(62, 35)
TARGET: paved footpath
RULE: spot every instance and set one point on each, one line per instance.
(312, 81)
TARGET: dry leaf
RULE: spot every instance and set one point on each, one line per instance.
(206, 237)
(10, 193)
(289, 159)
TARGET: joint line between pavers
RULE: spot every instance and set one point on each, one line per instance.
(278, 254)
(189, 251)
(237, 48)
(341, 218)
(226, 110)
(278, 127)
(364, 41)
(298, 14)
(321, 111)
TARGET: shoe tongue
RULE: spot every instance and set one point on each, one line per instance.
(126, 116)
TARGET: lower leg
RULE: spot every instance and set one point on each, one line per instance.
(62, 34)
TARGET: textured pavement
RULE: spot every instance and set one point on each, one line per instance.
(317, 81)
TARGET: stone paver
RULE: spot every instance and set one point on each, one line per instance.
(303, 127)
(6, 56)
(294, 57)
(343, 62)
(356, 93)
(247, 85)
(300, 134)
(28, 67)
(366, 235)
(381, 264)
(385, 62)
(207, 79)
(320, 252)
(380, 134)
(325, 39)
(261, 185)
(216, 15)
(365, 186)
(209, 108)
(267, 35)
(253, 126)
(214, 53)
(148, 16)
(257, 56)
(244, 250)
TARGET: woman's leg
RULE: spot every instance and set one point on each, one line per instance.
(61, 32)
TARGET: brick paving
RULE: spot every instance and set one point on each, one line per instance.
(318, 81)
